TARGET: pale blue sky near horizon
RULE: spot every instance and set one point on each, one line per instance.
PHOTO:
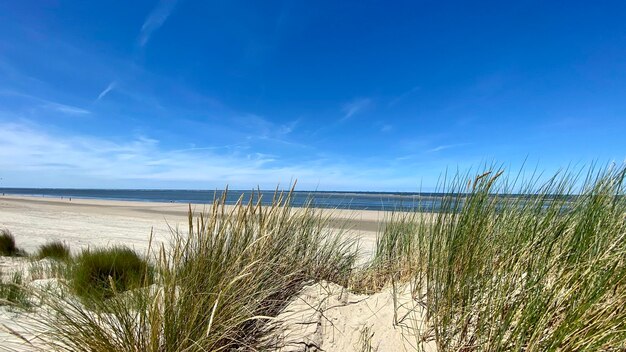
(340, 95)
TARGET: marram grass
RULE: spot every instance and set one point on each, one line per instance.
(13, 293)
(543, 270)
(100, 273)
(8, 246)
(54, 250)
(540, 271)
(216, 287)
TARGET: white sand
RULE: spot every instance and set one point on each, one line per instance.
(89, 222)
(325, 317)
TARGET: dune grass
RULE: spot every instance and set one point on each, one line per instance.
(54, 250)
(217, 285)
(545, 271)
(7, 245)
(101, 273)
(394, 254)
(13, 293)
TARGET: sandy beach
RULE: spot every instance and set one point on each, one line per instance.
(83, 223)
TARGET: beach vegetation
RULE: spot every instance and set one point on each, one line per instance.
(8, 246)
(506, 264)
(218, 284)
(542, 270)
(101, 273)
(49, 269)
(394, 254)
(13, 293)
(54, 250)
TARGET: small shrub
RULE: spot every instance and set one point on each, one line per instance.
(103, 272)
(55, 250)
(7, 244)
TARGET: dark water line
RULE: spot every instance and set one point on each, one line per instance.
(335, 200)
(422, 202)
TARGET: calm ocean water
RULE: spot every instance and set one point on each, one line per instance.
(340, 200)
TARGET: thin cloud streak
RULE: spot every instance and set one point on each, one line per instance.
(46, 104)
(67, 109)
(106, 90)
(444, 147)
(403, 96)
(355, 107)
(156, 19)
(386, 128)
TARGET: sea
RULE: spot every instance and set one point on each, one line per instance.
(387, 201)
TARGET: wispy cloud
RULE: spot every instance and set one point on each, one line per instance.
(354, 107)
(386, 128)
(27, 152)
(106, 90)
(67, 109)
(38, 103)
(260, 128)
(445, 146)
(155, 19)
(403, 96)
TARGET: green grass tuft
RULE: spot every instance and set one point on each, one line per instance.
(54, 250)
(101, 273)
(7, 245)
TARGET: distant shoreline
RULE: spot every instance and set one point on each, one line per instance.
(321, 199)
(368, 201)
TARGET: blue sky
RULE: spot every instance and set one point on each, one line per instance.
(341, 95)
